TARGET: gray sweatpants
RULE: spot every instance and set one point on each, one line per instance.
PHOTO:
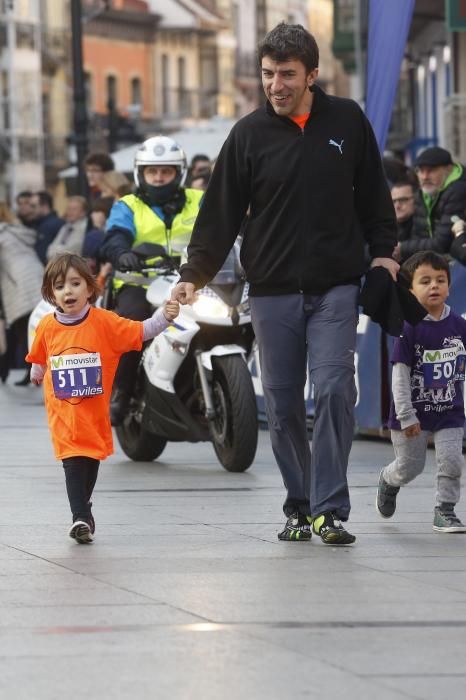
(290, 330)
(410, 459)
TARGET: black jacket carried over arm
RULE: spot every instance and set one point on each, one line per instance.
(389, 303)
(316, 196)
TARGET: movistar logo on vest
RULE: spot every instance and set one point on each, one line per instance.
(75, 361)
(445, 355)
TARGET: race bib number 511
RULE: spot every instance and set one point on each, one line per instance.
(76, 376)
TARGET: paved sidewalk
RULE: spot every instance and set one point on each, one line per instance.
(187, 593)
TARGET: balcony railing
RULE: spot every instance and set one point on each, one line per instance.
(181, 103)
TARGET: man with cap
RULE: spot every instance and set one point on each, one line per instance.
(442, 195)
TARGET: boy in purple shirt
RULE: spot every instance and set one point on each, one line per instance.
(427, 385)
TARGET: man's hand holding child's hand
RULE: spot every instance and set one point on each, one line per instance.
(171, 309)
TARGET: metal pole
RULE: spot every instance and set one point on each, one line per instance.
(79, 95)
(11, 107)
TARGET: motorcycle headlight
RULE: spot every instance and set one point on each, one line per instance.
(212, 307)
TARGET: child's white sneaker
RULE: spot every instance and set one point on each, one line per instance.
(81, 532)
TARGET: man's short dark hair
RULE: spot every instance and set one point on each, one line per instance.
(424, 257)
(45, 198)
(404, 183)
(24, 193)
(198, 157)
(102, 204)
(288, 42)
(101, 160)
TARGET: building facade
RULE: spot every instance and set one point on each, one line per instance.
(21, 132)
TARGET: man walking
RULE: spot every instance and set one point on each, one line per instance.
(308, 167)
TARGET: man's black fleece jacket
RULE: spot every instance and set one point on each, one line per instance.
(315, 196)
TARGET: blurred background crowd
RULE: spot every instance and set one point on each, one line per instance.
(83, 82)
(33, 232)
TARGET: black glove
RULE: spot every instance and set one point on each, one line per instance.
(130, 261)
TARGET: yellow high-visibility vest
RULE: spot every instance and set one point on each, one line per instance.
(150, 228)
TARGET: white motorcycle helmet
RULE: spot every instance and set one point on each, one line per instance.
(160, 150)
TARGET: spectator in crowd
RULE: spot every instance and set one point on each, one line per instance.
(96, 164)
(396, 170)
(442, 195)
(201, 180)
(20, 283)
(162, 212)
(115, 184)
(24, 210)
(99, 213)
(46, 222)
(200, 163)
(403, 193)
(70, 237)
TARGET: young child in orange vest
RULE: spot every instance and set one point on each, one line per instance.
(75, 354)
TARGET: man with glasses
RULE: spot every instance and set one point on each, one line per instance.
(442, 195)
(403, 193)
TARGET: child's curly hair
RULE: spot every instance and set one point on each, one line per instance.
(59, 266)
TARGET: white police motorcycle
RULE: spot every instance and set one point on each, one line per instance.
(193, 382)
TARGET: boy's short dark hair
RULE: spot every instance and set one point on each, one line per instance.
(288, 42)
(59, 266)
(424, 257)
(101, 160)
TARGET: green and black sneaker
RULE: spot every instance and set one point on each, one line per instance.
(297, 529)
(446, 520)
(330, 530)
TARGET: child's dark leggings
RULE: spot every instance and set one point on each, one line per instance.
(81, 475)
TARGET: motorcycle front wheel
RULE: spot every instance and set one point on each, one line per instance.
(138, 444)
(235, 427)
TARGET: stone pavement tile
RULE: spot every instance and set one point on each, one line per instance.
(448, 581)
(182, 545)
(47, 582)
(27, 566)
(179, 664)
(428, 686)
(100, 595)
(428, 564)
(76, 617)
(12, 554)
(380, 652)
(224, 597)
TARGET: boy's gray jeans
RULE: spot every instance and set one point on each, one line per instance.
(291, 330)
(410, 459)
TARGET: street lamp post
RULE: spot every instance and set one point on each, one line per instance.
(79, 95)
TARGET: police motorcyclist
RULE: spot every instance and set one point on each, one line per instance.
(161, 211)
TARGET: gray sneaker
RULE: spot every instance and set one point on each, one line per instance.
(446, 520)
(386, 497)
